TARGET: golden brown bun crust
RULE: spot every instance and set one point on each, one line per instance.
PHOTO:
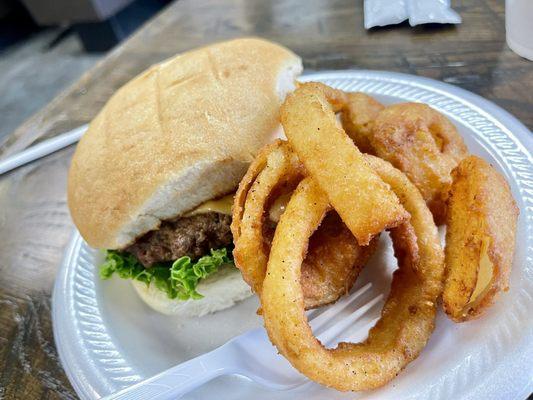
(178, 134)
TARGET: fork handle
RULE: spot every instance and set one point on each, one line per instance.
(179, 380)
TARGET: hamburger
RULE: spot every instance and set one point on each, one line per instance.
(151, 181)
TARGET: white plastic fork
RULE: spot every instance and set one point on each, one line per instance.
(250, 354)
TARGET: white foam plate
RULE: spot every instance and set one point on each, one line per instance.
(108, 339)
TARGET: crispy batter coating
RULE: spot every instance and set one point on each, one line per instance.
(276, 166)
(337, 165)
(338, 195)
(422, 143)
(358, 118)
(334, 260)
(480, 239)
(408, 317)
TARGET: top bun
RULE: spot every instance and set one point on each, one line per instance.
(179, 134)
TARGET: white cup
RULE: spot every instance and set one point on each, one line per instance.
(519, 27)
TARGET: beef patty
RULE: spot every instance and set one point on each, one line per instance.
(190, 236)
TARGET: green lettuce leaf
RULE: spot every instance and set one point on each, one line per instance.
(178, 279)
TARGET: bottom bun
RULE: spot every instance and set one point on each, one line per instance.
(221, 290)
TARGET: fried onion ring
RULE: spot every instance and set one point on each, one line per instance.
(326, 151)
(276, 165)
(334, 260)
(480, 237)
(358, 117)
(408, 316)
(254, 169)
(422, 143)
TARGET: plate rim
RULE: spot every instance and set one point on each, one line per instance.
(519, 133)
(83, 389)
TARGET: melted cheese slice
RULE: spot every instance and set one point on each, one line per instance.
(222, 206)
